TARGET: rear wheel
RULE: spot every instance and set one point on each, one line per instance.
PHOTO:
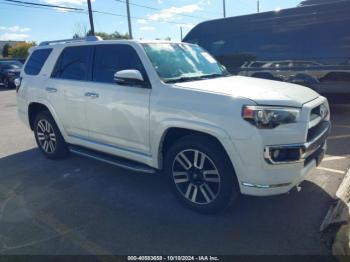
(201, 174)
(49, 137)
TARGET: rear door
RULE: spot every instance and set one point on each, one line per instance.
(68, 83)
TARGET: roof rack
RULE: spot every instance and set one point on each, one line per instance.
(73, 40)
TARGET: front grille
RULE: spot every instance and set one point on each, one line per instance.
(317, 122)
(316, 130)
(318, 155)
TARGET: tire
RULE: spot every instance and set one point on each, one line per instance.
(7, 83)
(48, 137)
(190, 178)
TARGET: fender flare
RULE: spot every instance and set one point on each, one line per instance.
(158, 137)
(53, 114)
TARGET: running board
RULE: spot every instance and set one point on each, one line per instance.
(113, 160)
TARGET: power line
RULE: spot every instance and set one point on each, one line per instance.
(207, 12)
(41, 8)
(73, 10)
(45, 5)
(158, 9)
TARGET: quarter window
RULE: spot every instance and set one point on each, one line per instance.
(73, 63)
(36, 61)
(109, 59)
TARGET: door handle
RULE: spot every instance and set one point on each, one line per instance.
(92, 95)
(51, 89)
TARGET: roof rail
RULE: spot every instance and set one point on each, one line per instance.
(73, 40)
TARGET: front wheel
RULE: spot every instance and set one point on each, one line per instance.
(201, 174)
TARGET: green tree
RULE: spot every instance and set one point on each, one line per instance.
(76, 35)
(5, 50)
(20, 50)
(117, 35)
(106, 36)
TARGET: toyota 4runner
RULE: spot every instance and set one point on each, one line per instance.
(149, 106)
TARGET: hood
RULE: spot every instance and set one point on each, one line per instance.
(262, 91)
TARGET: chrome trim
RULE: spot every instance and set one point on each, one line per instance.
(315, 122)
(267, 154)
(92, 95)
(324, 112)
(51, 89)
(306, 149)
(265, 186)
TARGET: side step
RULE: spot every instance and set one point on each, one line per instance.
(113, 160)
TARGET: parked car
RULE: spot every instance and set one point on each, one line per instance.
(308, 45)
(149, 106)
(9, 71)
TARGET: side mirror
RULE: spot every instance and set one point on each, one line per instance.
(129, 77)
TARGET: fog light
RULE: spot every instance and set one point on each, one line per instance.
(283, 155)
(276, 153)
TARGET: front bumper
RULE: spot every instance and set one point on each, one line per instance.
(258, 175)
(298, 152)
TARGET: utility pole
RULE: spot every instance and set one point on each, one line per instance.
(224, 7)
(258, 6)
(181, 32)
(92, 29)
(129, 19)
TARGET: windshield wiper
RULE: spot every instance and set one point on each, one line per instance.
(183, 79)
(194, 78)
(213, 76)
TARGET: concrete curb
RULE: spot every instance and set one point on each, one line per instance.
(339, 213)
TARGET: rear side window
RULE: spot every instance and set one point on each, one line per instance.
(36, 61)
(109, 59)
(73, 63)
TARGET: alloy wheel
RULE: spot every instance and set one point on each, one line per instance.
(46, 136)
(196, 176)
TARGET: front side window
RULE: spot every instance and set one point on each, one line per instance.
(183, 62)
(36, 61)
(73, 63)
(109, 59)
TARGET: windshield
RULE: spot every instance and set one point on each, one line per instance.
(11, 65)
(183, 62)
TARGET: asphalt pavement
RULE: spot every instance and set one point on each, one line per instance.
(81, 206)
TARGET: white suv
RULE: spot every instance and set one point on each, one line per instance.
(150, 106)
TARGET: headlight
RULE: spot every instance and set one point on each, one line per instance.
(269, 116)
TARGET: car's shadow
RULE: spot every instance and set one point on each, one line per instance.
(83, 206)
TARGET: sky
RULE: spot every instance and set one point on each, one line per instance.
(151, 19)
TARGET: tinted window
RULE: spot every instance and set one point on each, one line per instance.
(73, 63)
(336, 76)
(109, 59)
(36, 61)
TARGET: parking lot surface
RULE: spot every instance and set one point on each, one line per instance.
(81, 206)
